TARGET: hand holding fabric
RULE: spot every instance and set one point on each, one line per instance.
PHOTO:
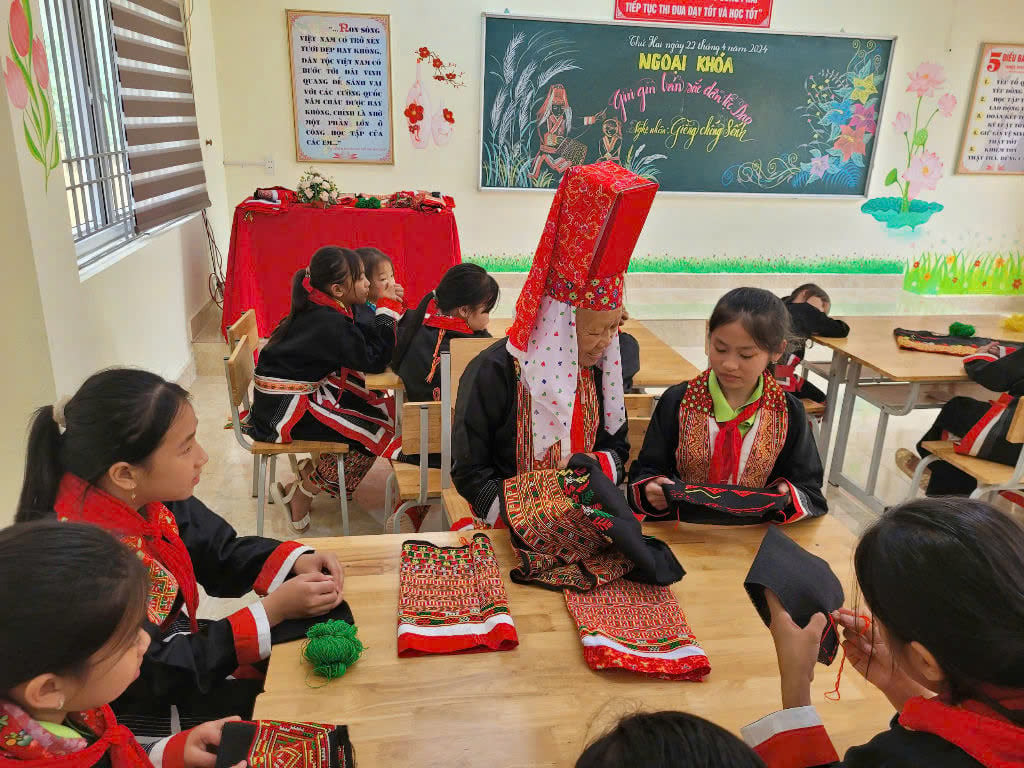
(797, 651)
(321, 562)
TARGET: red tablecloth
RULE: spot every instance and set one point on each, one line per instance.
(267, 248)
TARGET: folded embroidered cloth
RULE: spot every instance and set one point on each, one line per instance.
(929, 341)
(640, 627)
(759, 503)
(278, 744)
(572, 529)
(452, 600)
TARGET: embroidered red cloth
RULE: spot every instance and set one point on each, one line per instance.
(280, 744)
(25, 743)
(152, 532)
(929, 341)
(640, 627)
(266, 250)
(452, 600)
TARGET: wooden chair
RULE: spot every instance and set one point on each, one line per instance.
(416, 484)
(239, 370)
(992, 476)
(639, 409)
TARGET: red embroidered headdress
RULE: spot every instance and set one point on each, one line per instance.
(591, 230)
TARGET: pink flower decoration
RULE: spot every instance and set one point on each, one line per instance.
(850, 142)
(863, 116)
(947, 103)
(819, 166)
(19, 28)
(902, 123)
(924, 173)
(39, 64)
(926, 79)
(16, 90)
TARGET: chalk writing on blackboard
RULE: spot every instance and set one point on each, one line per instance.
(994, 137)
(341, 87)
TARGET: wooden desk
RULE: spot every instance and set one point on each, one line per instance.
(660, 365)
(930, 380)
(538, 705)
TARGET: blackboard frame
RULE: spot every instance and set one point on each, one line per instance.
(484, 16)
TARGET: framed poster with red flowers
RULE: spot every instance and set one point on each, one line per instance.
(341, 86)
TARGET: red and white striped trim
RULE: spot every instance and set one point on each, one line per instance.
(640, 503)
(791, 738)
(799, 504)
(390, 308)
(607, 461)
(980, 357)
(251, 631)
(277, 567)
(978, 434)
(169, 752)
(688, 662)
(497, 633)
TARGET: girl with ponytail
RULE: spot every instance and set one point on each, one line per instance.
(310, 382)
(122, 455)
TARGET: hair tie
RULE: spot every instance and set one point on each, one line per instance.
(58, 414)
(307, 283)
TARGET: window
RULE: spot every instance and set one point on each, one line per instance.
(126, 119)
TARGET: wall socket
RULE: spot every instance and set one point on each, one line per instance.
(268, 165)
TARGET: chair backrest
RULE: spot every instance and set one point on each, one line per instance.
(240, 368)
(463, 351)
(1015, 434)
(421, 428)
(639, 406)
(244, 326)
(637, 430)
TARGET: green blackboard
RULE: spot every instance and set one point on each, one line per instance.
(699, 110)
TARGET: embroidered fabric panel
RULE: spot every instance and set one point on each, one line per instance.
(929, 341)
(452, 600)
(693, 451)
(590, 410)
(163, 587)
(281, 744)
(640, 627)
(734, 499)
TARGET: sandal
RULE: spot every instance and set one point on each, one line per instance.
(285, 500)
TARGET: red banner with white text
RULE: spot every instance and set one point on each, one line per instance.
(722, 13)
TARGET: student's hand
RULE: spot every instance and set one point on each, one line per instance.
(783, 487)
(399, 292)
(797, 651)
(301, 597)
(319, 562)
(390, 291)
(992, 348)
(202, 742)
(868, 653)
(655, 495)
(623, 317)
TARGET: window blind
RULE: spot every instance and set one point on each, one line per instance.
(164, 154)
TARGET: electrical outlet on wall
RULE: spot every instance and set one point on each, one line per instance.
(268, 165)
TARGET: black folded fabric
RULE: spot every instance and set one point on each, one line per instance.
(734, 499)
(295, 629)
(930, 341)
(804, 584)
(271, 743)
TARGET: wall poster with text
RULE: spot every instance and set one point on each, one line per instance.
(721, 13)
(994, 136)
(341, 87)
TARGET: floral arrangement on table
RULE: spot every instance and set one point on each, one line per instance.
(27, 77)
(923, 169)
(317, 190)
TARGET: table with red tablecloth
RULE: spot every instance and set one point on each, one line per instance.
(267, 247)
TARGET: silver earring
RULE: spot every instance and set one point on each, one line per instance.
(60, 705)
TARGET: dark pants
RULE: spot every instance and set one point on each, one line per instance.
(957, 417)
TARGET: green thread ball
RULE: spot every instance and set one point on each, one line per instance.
(332, 647)
(368, 202)
(961, 330)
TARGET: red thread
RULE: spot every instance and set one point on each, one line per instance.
(464, 541)
(834, 694)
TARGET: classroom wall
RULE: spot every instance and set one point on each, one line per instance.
(982, 213)
(23, 345)
(136, 311)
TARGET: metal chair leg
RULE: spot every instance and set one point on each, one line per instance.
(400, 511)
(915, 481)
(342, 494)
(261, 496)
(255, 474)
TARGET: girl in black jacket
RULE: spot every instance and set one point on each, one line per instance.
(808, 307)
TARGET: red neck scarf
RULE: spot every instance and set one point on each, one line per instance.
(151, 531)
(25, 743)
(319, 297)
(725, 456)
(444, 323)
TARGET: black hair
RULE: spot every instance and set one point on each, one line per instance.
(949, 573)
(464, 285)
(761, 312)
(330, 265)
(372, 258)
(119, 414)
(46, 628)
(809, 291)
(668, 740)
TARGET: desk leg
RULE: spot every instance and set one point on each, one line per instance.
(845, 419)
(836, 374)
(876, 451)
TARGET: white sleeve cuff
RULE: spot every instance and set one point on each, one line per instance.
(156, 752)
(493, 511)
(784, 720)
(286, 567)
(259, 615)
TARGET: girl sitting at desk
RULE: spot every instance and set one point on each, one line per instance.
(732, 426)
